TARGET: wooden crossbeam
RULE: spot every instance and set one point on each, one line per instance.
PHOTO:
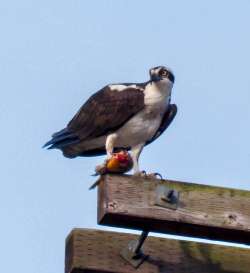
(93, 251)
(202, 211)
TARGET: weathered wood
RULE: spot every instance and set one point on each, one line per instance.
(93, 251)
(203, 211)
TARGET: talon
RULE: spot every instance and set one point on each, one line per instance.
(141, 174)
(150, 175)
(158, 175)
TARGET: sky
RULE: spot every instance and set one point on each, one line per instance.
(55, 54)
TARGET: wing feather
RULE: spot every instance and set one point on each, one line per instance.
(166, 121)
(106, 111)
(103, 112)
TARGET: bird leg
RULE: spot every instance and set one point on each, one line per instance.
(135, 153)
(109, 145)
(110, 142)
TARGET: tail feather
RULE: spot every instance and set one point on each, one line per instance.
(61, 132)
(63, 143)
(61, 139)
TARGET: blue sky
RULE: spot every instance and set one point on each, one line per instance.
(55, 54)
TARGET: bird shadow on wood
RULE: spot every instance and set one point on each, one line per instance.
(200, 261)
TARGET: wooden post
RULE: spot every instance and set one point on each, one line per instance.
(202, 211)
(94, 251)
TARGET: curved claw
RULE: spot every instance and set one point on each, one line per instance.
(155, 176)
(141, 174)
(150, 175)
(158, 175)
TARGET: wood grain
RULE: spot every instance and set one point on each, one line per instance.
(93, 251)
(204, 211)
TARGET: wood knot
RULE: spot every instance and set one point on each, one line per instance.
(232, 217)
(112, 205)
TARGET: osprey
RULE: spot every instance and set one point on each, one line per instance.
(124, 116)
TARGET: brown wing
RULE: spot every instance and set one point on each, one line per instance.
(106, 111)
(167, 119)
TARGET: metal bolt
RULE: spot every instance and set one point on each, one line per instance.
(141, 240)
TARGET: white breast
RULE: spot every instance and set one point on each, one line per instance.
(158, 93)
(143, 126)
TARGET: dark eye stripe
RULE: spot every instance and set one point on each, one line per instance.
(171, 76)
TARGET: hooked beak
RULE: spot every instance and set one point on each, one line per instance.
(155, 78)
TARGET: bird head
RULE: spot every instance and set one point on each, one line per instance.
(161, 73)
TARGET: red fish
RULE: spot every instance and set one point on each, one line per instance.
(120, 162)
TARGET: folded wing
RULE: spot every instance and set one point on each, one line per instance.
(104, 112)
(166, 121)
